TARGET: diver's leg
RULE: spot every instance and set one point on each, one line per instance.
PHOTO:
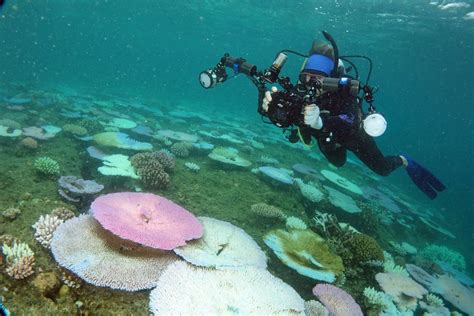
(365, 148)
(335, 154)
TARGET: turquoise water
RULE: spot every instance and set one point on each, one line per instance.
(422, 54)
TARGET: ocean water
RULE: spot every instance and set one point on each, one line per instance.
(111, 56)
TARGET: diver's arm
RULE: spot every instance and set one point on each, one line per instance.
(348, 119)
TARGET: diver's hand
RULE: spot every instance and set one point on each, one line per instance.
(268, 98)
(311, 116)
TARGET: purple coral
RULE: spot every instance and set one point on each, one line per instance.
(336, 300)
(74, 189)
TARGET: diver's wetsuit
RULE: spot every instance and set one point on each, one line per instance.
(342, 130)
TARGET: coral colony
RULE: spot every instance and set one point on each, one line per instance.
(206, 217)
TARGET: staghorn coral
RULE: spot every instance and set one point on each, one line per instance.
(192, 166)
(20, 260)
(47, 166)
(293, 222)
(45, 227)
(21, 268)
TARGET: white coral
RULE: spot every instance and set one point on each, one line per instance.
(434, 300)
(309, 191)
(192, 166)
(17, 251)
(293, 222)
(45, 227)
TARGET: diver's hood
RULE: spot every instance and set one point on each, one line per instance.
(375, 124)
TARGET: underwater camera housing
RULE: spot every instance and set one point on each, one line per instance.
(293, 97)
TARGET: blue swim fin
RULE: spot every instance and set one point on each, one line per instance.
(423, 178)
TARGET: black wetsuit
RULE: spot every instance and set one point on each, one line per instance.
(342, 130)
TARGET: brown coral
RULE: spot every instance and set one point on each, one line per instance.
(365, 249)
(21, 268)
(29, 143)
(151, 171)
(180, 149)
(62, 213)
(268, 211)
(11, 213)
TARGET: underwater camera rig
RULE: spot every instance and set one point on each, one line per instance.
(293, 97)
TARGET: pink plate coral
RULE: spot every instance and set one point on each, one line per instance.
(146, 218)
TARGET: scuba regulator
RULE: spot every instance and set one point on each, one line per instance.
(293, 97)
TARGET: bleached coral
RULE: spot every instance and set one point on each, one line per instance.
(293, 222)
(246, 291)
(310, 191)
(192, 166)
(436, 252)
(268, 160)
(45, 227)
(315, 308)
(20, 260)
(434, 300)
(403, 248)
(390, 266)
(375, 297)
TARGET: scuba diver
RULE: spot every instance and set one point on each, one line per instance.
(325, 104)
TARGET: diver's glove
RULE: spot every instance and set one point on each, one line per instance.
(424, 179)
(268, 98)
(311, 116)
